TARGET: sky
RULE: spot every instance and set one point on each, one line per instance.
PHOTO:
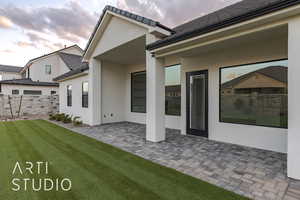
(31, 28)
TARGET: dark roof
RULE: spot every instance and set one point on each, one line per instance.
(128, 15)
(234, 14)
(28, 81)
(278, 73)
(51, 54)
(71, 60)
(8, 68)
(84, 66)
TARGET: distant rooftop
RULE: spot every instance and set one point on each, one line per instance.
(9, 68)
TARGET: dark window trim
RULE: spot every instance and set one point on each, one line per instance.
(220, 69)
(82, 95)
(187, 77)
(29, 92)
(131, 91)
(69, 96)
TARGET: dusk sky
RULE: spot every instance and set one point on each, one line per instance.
(30, 28)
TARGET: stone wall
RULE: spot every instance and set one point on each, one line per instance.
(28, 105)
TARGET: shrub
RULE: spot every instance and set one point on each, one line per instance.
(67, 119)
(60, 117)
(76, 121)
(52, 117)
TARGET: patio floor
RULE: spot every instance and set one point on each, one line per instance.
(254, 173)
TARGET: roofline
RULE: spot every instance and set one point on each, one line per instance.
(54, 52)
(233, 21)
(42, 84)
(110, 10)
(83, 73)
(62, 77)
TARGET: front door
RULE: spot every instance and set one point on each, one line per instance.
(197, 103)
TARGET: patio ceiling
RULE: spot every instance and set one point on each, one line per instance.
(130, 53)
(279, 33)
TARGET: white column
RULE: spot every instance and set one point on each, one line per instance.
(294, 99)
(183, 96)
(155, 119)
(95, 92)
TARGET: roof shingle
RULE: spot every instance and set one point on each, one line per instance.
(234, 14)
(8, 68)
(28, 81)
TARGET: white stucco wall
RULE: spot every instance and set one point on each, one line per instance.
(9, 75)
(254, 51)
(113, 92)
(7, 89)
(171, 121)
(76, 109)
(118, 32)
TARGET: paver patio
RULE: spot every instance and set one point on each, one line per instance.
(254, 173)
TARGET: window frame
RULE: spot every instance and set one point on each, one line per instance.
(82, 95)
(46, 66)
(69, 96)
(26, 91)
(131, 91)
(220, 83)
(173, 65)
(14, 90)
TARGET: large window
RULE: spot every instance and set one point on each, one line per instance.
(69, 95)
(255, 94)
(48, 69)
(173, 90)
(32, 92)
(85, 94)
(138, 92)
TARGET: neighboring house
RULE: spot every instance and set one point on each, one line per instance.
(49, 66)
(36, 77)
(8, 72)
(269, 80)
(127, 82)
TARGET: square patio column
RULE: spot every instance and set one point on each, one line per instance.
(95, 92)
(294, 98)
(155, 118)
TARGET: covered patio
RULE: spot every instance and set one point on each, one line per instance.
(254, 173)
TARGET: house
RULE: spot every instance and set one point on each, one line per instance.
(126, 75)
(36, 77)
(8, 72)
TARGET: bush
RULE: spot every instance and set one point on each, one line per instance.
(60, 117)
(76, 121)
(52, 117)
(67, 119)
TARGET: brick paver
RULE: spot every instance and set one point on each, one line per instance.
(254, 173)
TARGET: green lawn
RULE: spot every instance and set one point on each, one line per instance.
(97, 170)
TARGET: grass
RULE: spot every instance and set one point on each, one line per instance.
(97, 170)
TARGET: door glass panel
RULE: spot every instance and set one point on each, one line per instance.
(197, 102)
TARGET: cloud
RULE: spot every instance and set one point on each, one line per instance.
(5, 22)
(71, 22)
(173, 12)
(7, 51)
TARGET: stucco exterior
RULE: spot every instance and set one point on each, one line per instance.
(76, 109)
